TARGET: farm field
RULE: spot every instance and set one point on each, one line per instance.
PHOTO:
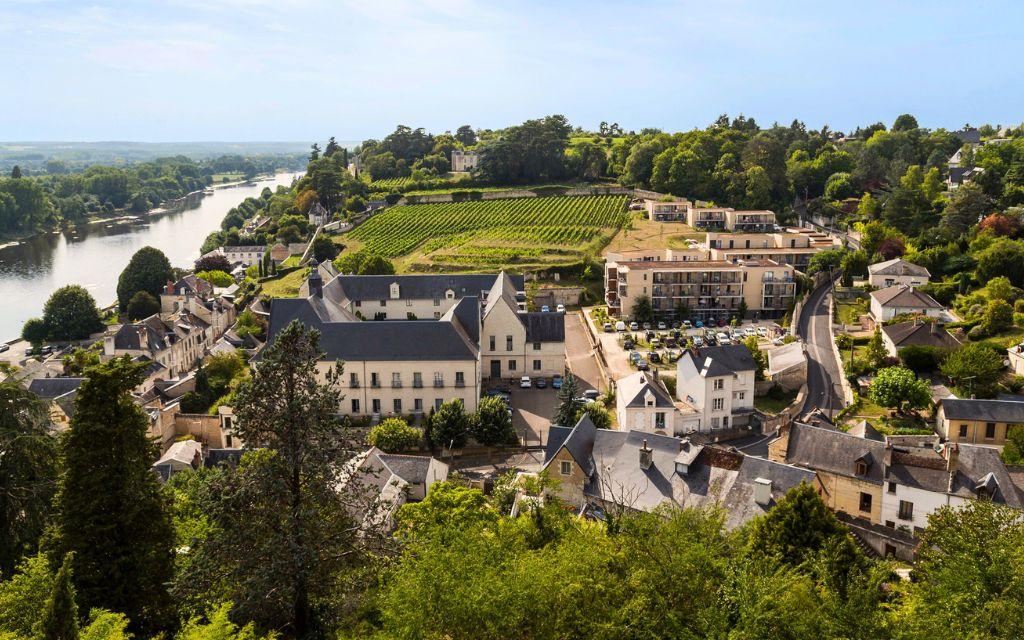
(449, 182)
(477, 235)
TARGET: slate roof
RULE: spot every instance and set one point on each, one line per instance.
(722, 360)
(633, 388)
(543, 326)
(834, 451)
(51, 388)
(467, 312)
(912, 332)
(978, 467)
(192, 284)
(986, 410)
(412, 469)
(864, 430)
(419, 287)
(897, 267)
(904, 296)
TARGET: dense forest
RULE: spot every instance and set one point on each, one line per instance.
(60, 195)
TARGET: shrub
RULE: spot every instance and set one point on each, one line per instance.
(977, 333)
(921, 358)
(393, 435)
(449, 426)
(598, 415)
(492, 424)
(217, 278)
(142, 305)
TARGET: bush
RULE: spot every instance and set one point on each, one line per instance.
(977, 333)
(393, 435)
(921, 358)
(217, 278)
(492, 424)
(597, 414)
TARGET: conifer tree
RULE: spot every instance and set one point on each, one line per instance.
(568, 402)
(60, 617)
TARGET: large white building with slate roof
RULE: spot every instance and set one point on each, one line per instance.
(643, 403)
(718, 382)
(474, 327)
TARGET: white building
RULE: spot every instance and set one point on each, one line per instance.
(464, 160)
(888, 303)
(643, 403)
(897, 272)
(718, 382)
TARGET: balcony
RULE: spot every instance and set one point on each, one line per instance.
(438, 384)
(396, 384)
(353, 384)
(417, 384)
(375, 384)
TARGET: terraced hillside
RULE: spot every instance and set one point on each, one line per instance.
(528, 232)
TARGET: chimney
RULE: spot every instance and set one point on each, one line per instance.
(169, 288)
(316, 282)
(935, 328)
(952, 455)
(762, 491)
(684, 445)
(887, 456)
(654, 372)
(646, 456)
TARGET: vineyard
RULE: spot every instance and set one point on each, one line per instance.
(486, 233)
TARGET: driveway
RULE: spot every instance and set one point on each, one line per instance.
(580, 355)
(823, 371)
(532, 412)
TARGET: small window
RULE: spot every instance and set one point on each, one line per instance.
(990, 430)
(565, 468)
(376, 405)
(719, 384)
(460, 378)
(865, 501)
(359, 303)
(860, 468)
(417, 405)
(906, 511)
(717, 404)
(892, 487)
(383, 303)
(353, 380)
(963, 431)
(536, 365)
(511, 365)
(508, 343)
(355, 405)
(536, 346)
(397, 405)
(491, 343)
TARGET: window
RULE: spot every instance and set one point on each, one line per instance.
(417, 405)
(536, 346)
(536, 365)
(438, 379)
(397, 404)
(990, 430)
(437, 302)
(408, 303)
(659, 420)
(865, 501)
(383, 303)
(717, 404)
(906, 511)
(963, 431)
(417, 380)
(359, 303)
(565, 468)
(890, 524)
(491, 343)
(511, 365)
(376, 405)
(460, 379)
(739, 395)
(396, 380)
(353, 380)
(508, 343)
(437, 403)
(860, 468)
(374, 380)
(355, 405)
(719, 384)
(892, 487)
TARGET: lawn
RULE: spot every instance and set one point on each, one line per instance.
(291, 261)
(773, 406)
(218, 178)
(849, 311)
(523, 233)
(286, 286)
(645, 234)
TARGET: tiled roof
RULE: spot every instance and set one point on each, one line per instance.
(904, 296)
(987, 410)
(912, 332)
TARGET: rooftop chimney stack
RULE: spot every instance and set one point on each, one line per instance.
(316, 282)
(762, 491)
(952, 451)
(646, 456)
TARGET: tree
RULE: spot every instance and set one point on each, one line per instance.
(79, 360)
(854, 265)
(827, 261)
(449, 428)
(394, 435)
(218, 624)
(60, 616)
(905, 122)
(314, 152)
(111, 511)
(642, 310)
(15, 172)
(364, 264)
(325, 249)
(23, 598)
(28, 472)
(1000, 224)
(213, 262)
(966, 207)
(874, 233)
(997, 317)
(331, 148)
(875, 354)
(568, 402)
(34, 332)
(142, 305)
(597, 414)
(974, 370)
(71, 314)
(900, 389)
(216, 278)
(281, 531)
(465, 135)
(492, 423)
(892, 248)
(760, 357)
(148, 270)
(1002, 258)
(796, 528)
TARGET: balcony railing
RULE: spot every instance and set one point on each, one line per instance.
(375, 384)
(353, 384)
(396, 384)
(417, 384)
(438, 384)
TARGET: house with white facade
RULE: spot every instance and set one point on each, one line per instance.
(897, 272)
(643, 403)
(897, 300)
(718, 382)
(382, 482)
(464, 160)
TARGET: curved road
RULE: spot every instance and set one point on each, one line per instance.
(823, 372)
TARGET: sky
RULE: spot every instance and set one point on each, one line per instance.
(260, 70)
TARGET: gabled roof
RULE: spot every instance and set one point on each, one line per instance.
(913, 332)
(51, 388)
(904, 296)
(863, 429)
(834, 451)
(543, 326)
(897, 267)
(467, 313)
(722, 360)
(987, 410)
(634, 388)
(578, 441)
(418, 287)
(503, 289)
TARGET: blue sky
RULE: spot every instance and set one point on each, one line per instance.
(184, 70)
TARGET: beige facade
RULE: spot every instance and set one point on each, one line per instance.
(570, 478)
(671, 210)
(464, 160)
(394, 388)
(977, 429)
(507, 353)
(791, 248)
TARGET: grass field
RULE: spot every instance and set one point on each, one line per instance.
(533, 232)
(218, 178)
(644, 233)
(287, 286)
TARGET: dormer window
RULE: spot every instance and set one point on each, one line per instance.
(394, 290)
(449, 295)
(860, 468)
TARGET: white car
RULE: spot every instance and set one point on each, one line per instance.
(698, 341)
(620, 326)
(749, 331)
(661, 326)
(723, 338)
(634, 326)
(687, 324)
(560, 308)
(761, 331)
(525, 382)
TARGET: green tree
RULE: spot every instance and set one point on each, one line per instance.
(492, 423)
(79, 360)
(71, 314)
(449, 506)
(106, 625)
(23, 598)
(218, 625)
(997, 317)
(324, 249)
(905, 122)
(760, 357)
(875, 354)
(827, 261)
(568, 402)
(34, 331)
(797, 527)
(216, 278)
(148, 270)
(854, 265)
(597, 414)
(28, 472)
(111, 511)
(966, 207)
(1002, 258)
(142, 305)
(449, 428)
(280, 534)
(60, 615)
(974, 370)
(900, 389)
(642, 310)
(393, 435)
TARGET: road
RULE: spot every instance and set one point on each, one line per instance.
(823, 371)
(579, 353)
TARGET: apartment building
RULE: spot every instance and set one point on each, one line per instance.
(670, 210)
(709, 218)
(785, 247)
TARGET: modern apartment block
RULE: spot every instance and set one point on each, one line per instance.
(789, 247)
(709, 218)
(702, 289)
(667, 210)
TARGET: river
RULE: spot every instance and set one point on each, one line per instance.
(94, 255)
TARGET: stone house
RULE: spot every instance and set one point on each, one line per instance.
(642, 403)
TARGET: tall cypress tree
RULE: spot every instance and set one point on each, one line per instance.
(60, 617)
(111, 511)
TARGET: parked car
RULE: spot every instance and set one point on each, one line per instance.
(749, 331)
(620, 326)
(687, 324)
(540, 383)
(662, 326)
(4, 347)
(634, 356)
(45, 350)
(698, 324)
(628, 344)
(723, 338)
(698, 341)
(560, 308)
(556, 382)
(525, 382)
(655, 342)
(592, 394)
(761, 331)
(642, 365)
(778, 342)
(545, 309)
(654, 357)
(608, 328)
(633, 326)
